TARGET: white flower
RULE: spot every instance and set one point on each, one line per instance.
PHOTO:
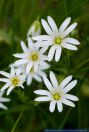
(12, 80)
(35, 29)
(2, 99)
(57, 94)
(36, 75)
(57, 38)
(32, 74)
(32, 56)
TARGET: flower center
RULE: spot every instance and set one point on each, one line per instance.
(34, 57)
(57, 40)
(15, 81)
(56, 96)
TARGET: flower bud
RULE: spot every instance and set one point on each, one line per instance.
(35, 29)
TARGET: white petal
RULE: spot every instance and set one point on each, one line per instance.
(51, 52)
(5, 74)
(41, 73)
(47, 43)
(69, 46)
(44, 57)
(52, 106)
(42, 63)
(44, 98)
(65, 81)
(67, 102)
(4, 100)
(12, 71)
(70, 86)
(20, 55)
(47, 83)
(42, 92)
(3, 106)
(36, 67)
(28, 68)
(64, 25)
(69, 29)
(30, 43)
(19, 71)
(58, 53)
(42, 50)
(59, 106)
(38, 78)
(4, 80)
(1, 93)
(53, 80)
(22, 77)
(41, 37)
(52, 24)
(46, 27)
(25, 49)
(22, 86)
(29, 79)
(45, 67)
(10, 89)
(21, 61)
(5, 87)
(71, 41)
(44, 43)
(71, 97)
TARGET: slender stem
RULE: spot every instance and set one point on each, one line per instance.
(83, 63)
(79, 115)
(65, 7)
(65, 118)
(74, 9)
(17, 121)
(80, 121)
(47, 116)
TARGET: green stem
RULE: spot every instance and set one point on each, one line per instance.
(76, 8)
(65, 118)
(17, 121)
(65, 7)
(83, 63)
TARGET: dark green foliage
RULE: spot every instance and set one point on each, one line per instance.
(24, 115)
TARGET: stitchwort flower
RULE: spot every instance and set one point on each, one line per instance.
(2, 100)
(32, 74)
(57, 94)
(12, 80)
(32, 56)
(57, 38)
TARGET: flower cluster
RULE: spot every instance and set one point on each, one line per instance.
(34, 60)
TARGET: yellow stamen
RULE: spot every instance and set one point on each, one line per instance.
(57, 40)
(15, 81)
(34, 57)
(56, 96)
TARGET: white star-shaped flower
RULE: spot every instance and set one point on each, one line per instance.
(13, 79)
(2, 100)
(57, 38)
(32, 74)
(32, 56)
(57, 94)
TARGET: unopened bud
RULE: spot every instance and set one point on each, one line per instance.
(35, 29)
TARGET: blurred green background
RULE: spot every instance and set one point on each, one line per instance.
(23, 115)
